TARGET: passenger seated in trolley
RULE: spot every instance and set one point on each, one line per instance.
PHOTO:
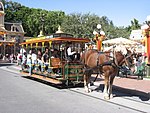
(55, 60)
(24, 61)
(29, 62)
(34, 59)
(72, 55)
(45, 61)
(39, 60)
(55, 53)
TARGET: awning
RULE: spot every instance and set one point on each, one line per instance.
(119, 41)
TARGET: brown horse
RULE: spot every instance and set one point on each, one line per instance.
(105, 64)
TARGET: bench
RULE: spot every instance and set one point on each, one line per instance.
(55, 63)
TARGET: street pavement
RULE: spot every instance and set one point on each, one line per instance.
(19, 94)
(130, 85)
(134, 92)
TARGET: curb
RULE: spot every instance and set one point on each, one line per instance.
(146, 78)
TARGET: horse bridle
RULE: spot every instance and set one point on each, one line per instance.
(126, 60)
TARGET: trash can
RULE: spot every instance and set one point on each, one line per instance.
(148, 70)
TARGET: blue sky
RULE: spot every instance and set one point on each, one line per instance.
(121, 12)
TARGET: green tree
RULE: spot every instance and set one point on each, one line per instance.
(78, 24)
(33, 20)
(135, 24)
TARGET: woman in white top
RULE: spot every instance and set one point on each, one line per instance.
(72, 54)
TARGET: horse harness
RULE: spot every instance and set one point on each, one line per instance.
(99, 66)
(114, 63)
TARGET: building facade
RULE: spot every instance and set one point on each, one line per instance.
(136, 35)
(11, 34)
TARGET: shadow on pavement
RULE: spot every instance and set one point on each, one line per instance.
(142, 95)
(124, 92)
(5, 64)
(117, 91)
(59, 86)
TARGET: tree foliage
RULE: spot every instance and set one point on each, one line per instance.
(78, 24)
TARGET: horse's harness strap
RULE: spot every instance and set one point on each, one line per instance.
(99, 66)
(87, 68)
(99, 53)
(125, 58)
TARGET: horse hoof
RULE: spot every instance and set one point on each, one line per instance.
(86, 91)
(90, 90)
(111, 96)
(106, 97)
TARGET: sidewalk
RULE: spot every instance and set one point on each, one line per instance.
(129, 85)
(133, 83)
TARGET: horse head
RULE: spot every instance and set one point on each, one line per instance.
(125, 57)
(122, 56)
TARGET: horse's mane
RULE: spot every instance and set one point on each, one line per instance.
(117, 48)
(121, 48)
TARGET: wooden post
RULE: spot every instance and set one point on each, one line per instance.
(50, 44)
(43, 47)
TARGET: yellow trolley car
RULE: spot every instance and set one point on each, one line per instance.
(60, 69)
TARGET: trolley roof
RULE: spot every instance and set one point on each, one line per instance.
(57, 39)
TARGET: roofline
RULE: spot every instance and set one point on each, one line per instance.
(64, 39)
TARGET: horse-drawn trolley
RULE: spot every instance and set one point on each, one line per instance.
(54, 58)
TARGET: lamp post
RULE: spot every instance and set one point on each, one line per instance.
(99, 37)
(146, 32)
(4, 58)
(42, 20)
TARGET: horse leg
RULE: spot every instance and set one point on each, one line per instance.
(86, 83)
(89, 83)
(87, 76)
(110, 86)
(106, 95)
(112, 76)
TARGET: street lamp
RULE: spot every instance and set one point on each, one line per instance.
(4, 58)
(99, 26)
(99, 37)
